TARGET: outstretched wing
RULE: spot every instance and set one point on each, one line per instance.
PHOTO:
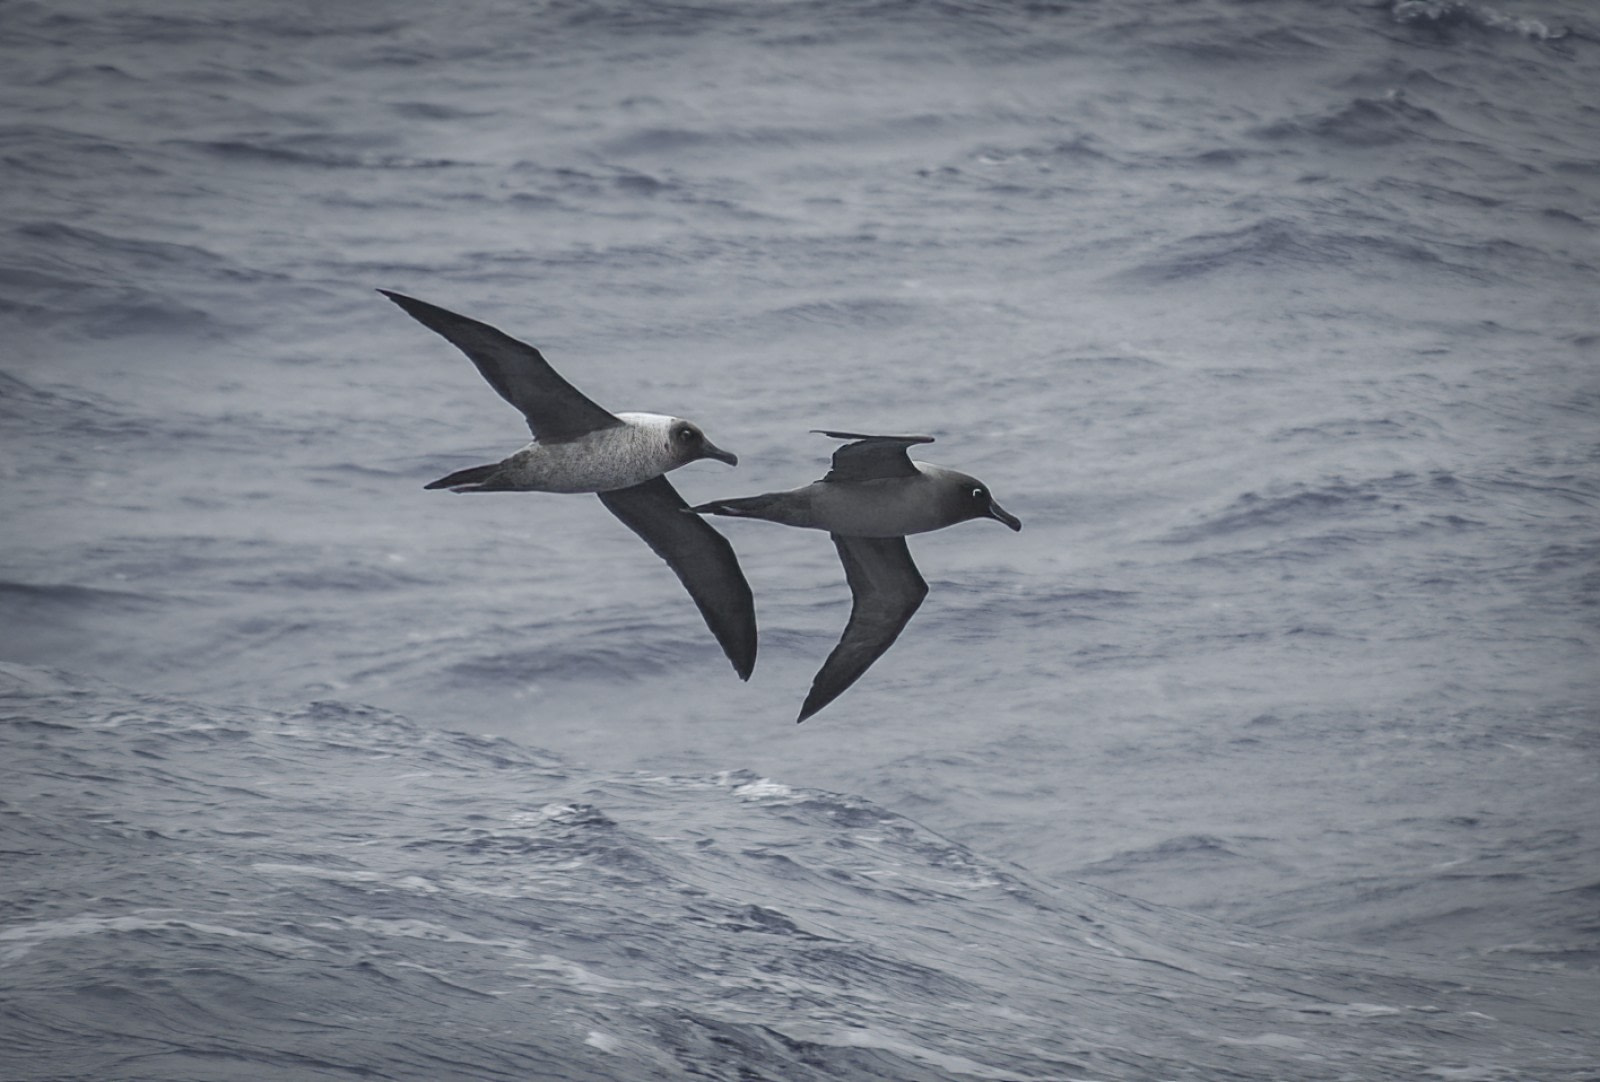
(556, 410)
(871, 457)
(887, 589)
(702, 559)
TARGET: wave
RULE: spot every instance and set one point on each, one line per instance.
(629, 649)
(449, 905)
(72, 245)
(850, 312)
(94, 283)
(1303, 505)
(30, 598)
(38, 411)
(1441, 15)
(317, 151)
(1282, 244)
(1366, 123)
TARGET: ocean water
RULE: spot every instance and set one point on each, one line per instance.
(1267, 750)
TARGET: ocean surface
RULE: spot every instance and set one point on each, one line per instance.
(1268, 750)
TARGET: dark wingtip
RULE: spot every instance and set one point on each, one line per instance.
(812, 704)
(429, 315)
(745, 663)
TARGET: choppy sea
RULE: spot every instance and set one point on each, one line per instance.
(1268, 750)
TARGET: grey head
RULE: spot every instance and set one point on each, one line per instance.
(963, 497)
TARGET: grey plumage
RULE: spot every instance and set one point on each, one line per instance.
(873, 497)
(580, 446)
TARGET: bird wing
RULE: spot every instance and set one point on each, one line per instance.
(871, 457)
(887, 588)
(700, 556)
(556, 410)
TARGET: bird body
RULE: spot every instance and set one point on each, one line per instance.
(931, 499)
(643, 446)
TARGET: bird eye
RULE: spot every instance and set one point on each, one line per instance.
(977, 493)
(688, 435)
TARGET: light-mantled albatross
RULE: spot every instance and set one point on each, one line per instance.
(579, 446)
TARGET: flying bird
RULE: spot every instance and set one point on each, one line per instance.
(869, 501)
(579, 446)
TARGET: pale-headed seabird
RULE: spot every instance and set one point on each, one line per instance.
(872, 498)
(581, 447)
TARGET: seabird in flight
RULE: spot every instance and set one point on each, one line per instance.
(872, 498)
(579, 446)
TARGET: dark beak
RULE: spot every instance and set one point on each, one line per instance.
(711, 450)
(1000, 514)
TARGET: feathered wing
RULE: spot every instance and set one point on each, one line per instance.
(871, 457)
(556, 410)
(887, 589)
(702, 559)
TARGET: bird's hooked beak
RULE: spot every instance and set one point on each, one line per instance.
(1000, 514)
(711, 450)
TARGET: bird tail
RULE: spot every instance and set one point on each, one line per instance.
(471, 479)
(739, 507)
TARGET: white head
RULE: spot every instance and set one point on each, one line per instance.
(680, 442)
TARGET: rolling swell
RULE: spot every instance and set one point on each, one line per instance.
(487, 908)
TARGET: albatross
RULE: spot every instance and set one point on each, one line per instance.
(623, 458)
(869, 501)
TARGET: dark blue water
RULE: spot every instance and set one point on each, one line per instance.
(1267, 750)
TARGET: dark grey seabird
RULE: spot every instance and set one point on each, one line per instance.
(580, 447)
(872, 498)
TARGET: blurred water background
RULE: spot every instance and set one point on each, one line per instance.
(1267, 750)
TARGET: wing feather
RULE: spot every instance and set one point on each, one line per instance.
(887, 589)
(702, 559)
(871, 457)
(556, 410)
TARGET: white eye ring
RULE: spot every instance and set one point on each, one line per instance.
(977, 493)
